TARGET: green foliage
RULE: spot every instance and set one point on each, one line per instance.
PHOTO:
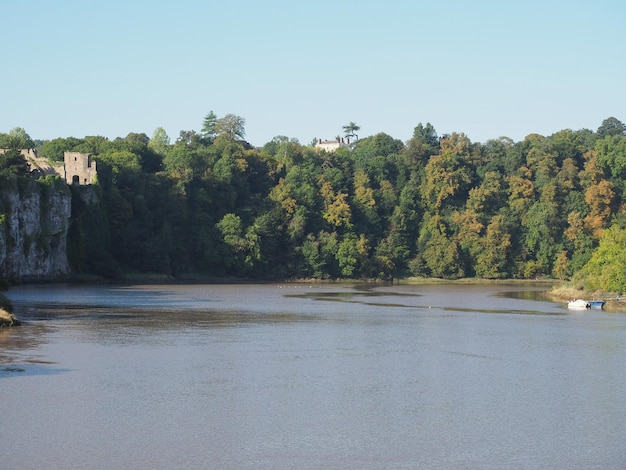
(160, 141)
(54, 149)
(351, 130)
(209, 204)
(606, 270)
(17, 138)
(13, 163)
(440, 252)
(612, 155)
(209, 126)
(610, 127)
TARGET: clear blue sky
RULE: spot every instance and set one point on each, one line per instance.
(304, 69)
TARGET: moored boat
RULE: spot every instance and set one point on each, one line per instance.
(596, 303)
(578, 304)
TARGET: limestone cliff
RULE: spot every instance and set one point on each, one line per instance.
(34, 220)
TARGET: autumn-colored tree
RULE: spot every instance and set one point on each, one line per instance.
(492, 260)
(487, 198)
(561, 264)
(446, 177)
(435, 206)
(599, 197)
(337, 210)
(521, 191)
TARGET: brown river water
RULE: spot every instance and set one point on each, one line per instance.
(320, 376)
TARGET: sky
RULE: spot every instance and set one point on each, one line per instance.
(302, 69)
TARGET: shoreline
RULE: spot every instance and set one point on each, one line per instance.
(7, 319)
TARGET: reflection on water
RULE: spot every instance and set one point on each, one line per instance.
(20, 342)
(310, 376)
(523, 294)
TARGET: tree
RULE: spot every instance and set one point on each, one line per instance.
(54, 149)
(209, 126)
(230, 126)
(599, 198)
(485, 199)
(12, 162)
(379, 145)
(491, 261)
(233, 235)
(606, 270)
(337, 211)
(446, 177)
(521, 191)
(17, 138)
(611, 153)
(351, 129)
(611, 126)
(440, 253)
(542, 233)
(423, 144)
(160, 141)
(427, 135)
(352, 254)
(190, 139)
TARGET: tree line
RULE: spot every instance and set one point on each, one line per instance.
(435, 206)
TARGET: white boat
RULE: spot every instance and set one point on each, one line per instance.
(578, 304)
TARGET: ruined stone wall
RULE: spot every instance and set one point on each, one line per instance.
(39, 165)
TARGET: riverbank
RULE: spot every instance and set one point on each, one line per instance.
(565, 292)
(8, 319)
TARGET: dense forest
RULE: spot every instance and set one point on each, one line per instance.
(210, 204)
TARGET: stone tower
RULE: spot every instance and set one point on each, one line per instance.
(80, 168)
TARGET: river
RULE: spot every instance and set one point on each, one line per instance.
(310, 376)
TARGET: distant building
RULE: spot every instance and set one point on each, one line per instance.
(77, 168)
(332, 145)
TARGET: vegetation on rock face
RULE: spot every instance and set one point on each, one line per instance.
(435, 206)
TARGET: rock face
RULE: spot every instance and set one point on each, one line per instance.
(34, 221)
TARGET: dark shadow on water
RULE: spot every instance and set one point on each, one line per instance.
(340, 296)
(504, 312)
(71, 312)
(29, 370)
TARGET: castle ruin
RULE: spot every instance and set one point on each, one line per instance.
(77, 168)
